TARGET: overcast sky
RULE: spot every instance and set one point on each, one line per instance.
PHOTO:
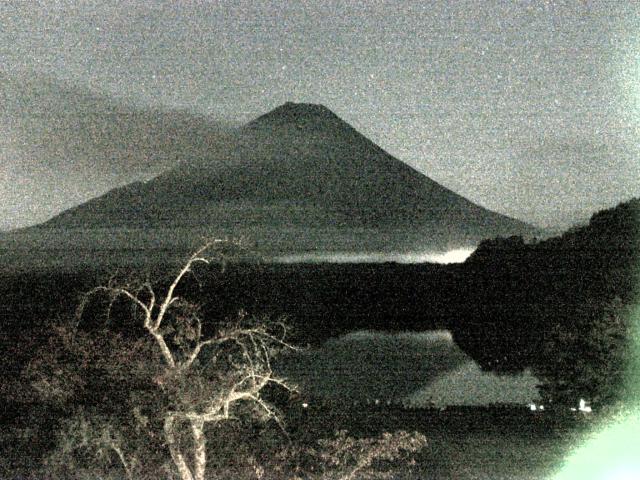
(528, 108)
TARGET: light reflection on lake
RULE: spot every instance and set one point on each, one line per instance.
(457, 255)
(68, 249)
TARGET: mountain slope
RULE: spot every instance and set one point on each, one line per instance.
(61, 145)
(298, 165)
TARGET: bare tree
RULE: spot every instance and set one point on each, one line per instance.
(205, 378)
(141, 403)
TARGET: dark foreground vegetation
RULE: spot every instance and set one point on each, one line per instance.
(89, 391)
(561, 307)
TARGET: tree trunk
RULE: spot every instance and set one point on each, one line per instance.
(176, 455)
(199, 449)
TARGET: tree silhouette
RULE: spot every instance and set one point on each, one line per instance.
(163, 388)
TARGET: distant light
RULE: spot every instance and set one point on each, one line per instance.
(583, 407)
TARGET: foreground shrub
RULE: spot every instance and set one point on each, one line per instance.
(132, 401)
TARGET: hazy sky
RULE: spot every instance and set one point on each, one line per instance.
(528, 108)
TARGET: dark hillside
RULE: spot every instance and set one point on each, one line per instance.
(523, 291)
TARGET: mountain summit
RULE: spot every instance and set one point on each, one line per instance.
(298, 166)
(299, 114)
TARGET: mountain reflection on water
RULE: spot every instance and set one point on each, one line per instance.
(414, 369)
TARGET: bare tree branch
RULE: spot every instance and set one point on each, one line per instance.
(196, 398)
(195, 258)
